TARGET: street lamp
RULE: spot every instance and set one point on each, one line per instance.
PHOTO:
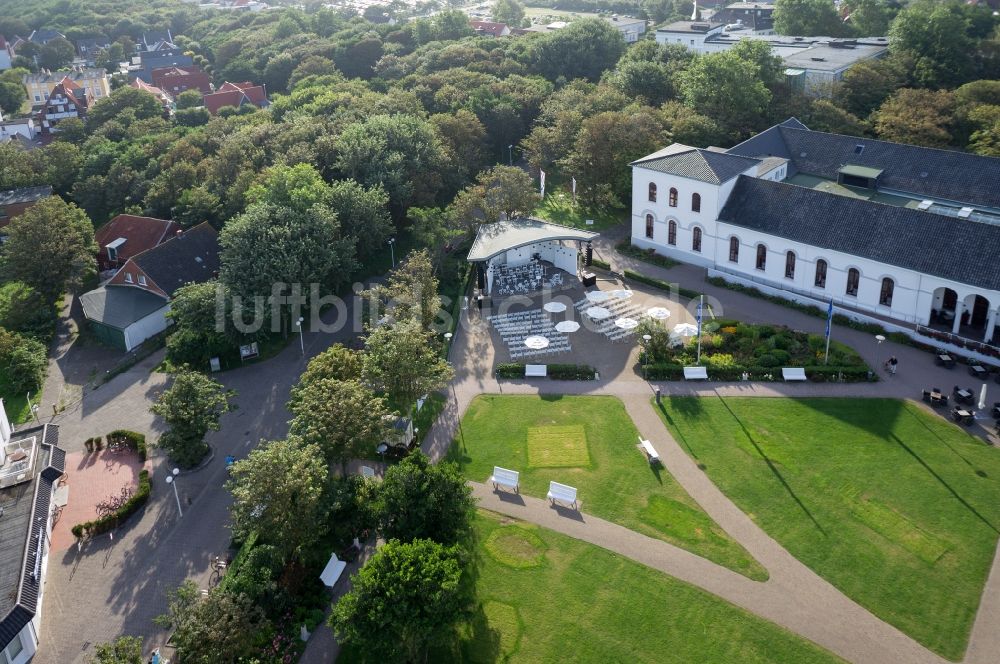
(170, 480)
(878, 353)
(510, 154)
(392, 250)
(645, 353)
(302, 343)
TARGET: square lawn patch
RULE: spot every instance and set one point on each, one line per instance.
(557, 447)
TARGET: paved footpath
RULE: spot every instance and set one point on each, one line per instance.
(794, 596)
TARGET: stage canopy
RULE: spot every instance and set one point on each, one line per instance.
(502, 236)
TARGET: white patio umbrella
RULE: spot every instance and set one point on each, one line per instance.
(537, 342)
(567, 326)
(658, 313)
(685, 330)
(598, 313)
(982, 398)
(627, 323)
(554, 307)
(597, 296)
(622, 293)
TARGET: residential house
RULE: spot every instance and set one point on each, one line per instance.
(15, 202)
(165, 99)
(94, 82)
(490, 29)
(43, 36)
(164, 55)
(132, 306)
(7, 54)
(89, 49)
(128, 235)
(752, 18)
(236, 94)
(155, 40)
(631, 28)
(67, 100)
(31, 465)
(899, 232)
(17, 129)
(175, 80)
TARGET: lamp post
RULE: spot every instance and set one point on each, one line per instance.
(878, 353)
(645, 354)
(392, 250)
(510, 154)
(170, 480)
(302, 343)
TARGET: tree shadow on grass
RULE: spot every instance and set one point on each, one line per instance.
(545, 396)
(774, 469)
(923, 422)
(943, 483)
(679, 434)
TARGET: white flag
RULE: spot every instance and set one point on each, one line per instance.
(574, 186)
(542, 174)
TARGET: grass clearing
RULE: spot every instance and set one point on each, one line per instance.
(559, 208)
(585, 604)
(558, 447)
(898, 508)
(617, 483)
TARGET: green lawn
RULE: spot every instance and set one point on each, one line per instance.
(550, 598)
(558, 207)
(898, 508)
(590, 443)
(16, 403)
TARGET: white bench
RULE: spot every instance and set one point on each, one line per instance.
(695, 373)
(791, 373)
(650, 451)
(536, 370)
(506, 478)
(566, 494)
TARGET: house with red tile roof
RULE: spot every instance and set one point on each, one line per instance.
(128, 235)
(162, 96)
(490, 29)
(236, 94)
(67, 100)
(175, 80)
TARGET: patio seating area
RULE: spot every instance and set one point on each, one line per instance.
(522, 279)
(615, 326)
(530, 334)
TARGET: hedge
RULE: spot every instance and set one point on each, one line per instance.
(626, 248)
(597, 262)
(554, 371)
(134, 440)
(670, 372)
(663, 285)
(112, 521)
(233, 568)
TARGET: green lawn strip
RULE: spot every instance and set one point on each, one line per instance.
(16, 403)
(580, 603)
(558, 207)
(896, 507)
(614, 480)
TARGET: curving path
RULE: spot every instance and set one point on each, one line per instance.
(794, 596)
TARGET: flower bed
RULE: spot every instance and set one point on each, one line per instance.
(554, 371)
(103, 525)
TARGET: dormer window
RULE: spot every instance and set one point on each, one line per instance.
(128, 277)
(142, 280)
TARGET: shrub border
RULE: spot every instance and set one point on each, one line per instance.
(112, 521)
(554, 371)
(663, 285)
(134, 440)
(626, 248)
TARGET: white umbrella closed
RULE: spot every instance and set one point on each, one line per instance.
(685, 330)
(598, 313)
(658, 313)
(597, 296)
(554, 307)
(536, 342)
(627, 323)
(567, 326)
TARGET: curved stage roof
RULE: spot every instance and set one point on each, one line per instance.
(494, 239)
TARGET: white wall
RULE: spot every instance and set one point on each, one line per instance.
(146, 327)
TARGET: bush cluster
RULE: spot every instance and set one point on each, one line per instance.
(134, 440)
(103, 525)
(555, 371)
(662, 285)
(669, 372)
(650, 256)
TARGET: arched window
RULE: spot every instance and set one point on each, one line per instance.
(652, 192)
(820, 281)
(672, 232)
(853, 280)
(790, 265)
(696, 202)
(734, 249)
(885, 296)
(673, 197)
(761, 257)
(696, 239)
(649, 226)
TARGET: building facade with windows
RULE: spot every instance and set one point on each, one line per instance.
(904, 232)
(93, 82)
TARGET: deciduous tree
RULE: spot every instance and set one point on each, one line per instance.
(510, 12)
(419, 499)
(806, 18)
(123, 650)
(919, 117)
(934, 34)
(191, 407)
(403, 361)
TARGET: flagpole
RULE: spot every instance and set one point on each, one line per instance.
(701, 304)
(829, 320)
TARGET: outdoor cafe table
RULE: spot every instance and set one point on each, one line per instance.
(977, 371)
(963, 394)
(946, 360)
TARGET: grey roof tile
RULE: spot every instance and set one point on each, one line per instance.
(697, 164)
(957, 249)
(119, 306)
(190, 257)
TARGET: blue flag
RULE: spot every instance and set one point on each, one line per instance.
(829, 318)
(699, 318)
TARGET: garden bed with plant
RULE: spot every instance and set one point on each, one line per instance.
(554, 371)
(734, 350)
(650, 256)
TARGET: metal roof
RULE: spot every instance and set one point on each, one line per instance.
(119, 306)
(496, 238)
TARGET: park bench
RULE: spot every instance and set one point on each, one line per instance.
(793, 373)
(561, 492)
(695, 373)
(333, 571)
(650, 451)
(505, 478)
(535, 370)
